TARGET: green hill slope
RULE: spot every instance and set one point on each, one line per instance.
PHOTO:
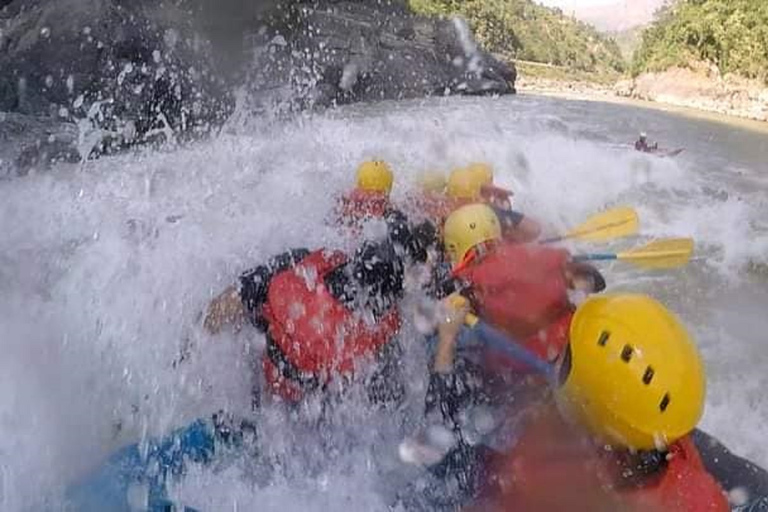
(524, 30)
(731, 34)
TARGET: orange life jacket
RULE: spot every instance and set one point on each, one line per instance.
(312, 337)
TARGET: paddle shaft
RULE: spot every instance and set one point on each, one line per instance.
(596, 257)
(500, 342)
(627, 256)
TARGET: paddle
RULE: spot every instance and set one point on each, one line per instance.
(665, 253)
(501, 342)
(607, 225)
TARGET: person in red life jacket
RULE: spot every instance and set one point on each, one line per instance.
(474, 184)
(615, 433)
(429, 201)
(629, 393)
(325, 313)
(523, 290)
(528, 295)
(370, 197)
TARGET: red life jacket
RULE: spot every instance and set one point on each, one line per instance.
(556, 467)
(685, 486)
(428, 206)
(312, 337)
(359, 205)
(522, 290)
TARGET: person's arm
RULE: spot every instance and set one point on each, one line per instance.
(448, 332)
(225, 309)
(517, 227)
(528, 230)
(584, 277)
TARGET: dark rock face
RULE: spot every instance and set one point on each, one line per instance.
(342, 52)
(128, 66)
(129, 71)
(29, 142)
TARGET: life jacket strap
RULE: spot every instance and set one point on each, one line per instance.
(308, 381)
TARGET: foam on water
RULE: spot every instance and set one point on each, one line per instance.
(105, 270)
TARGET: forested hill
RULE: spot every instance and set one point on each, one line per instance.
(528, 31)
(731, 34)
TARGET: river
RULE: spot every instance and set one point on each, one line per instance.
(105, 267)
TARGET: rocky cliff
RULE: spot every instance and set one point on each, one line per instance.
(701, 88)
(128, 71)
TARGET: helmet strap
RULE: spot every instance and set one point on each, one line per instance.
(475, 253)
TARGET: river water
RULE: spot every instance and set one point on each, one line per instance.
(105, 267)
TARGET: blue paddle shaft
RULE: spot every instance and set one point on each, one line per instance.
(596, 257)
(500, 342)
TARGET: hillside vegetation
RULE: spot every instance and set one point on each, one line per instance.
(524, 30)
(730, 34)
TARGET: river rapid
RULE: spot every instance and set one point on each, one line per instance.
(106, 266)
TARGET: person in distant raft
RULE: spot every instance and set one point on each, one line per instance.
(325, 313)
(642, 144)
(474, 184)
(370, 197)
(615, 433)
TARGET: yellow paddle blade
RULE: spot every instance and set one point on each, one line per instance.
(607, 225)
(666, 253)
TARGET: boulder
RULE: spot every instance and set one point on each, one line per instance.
(131, 67)
(29, 143)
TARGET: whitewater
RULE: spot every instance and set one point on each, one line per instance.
(106, 267)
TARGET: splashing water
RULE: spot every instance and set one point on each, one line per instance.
(105, 268)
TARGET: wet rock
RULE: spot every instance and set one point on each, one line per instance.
(342, 52)
(29, 143)
(115, 63)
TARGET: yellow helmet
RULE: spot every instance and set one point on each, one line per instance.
(375, 176)
(483, 171)
(467, 227)
(432, 181)
(632, 374)
(465, 183)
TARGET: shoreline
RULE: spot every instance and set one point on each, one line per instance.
(584, 91)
